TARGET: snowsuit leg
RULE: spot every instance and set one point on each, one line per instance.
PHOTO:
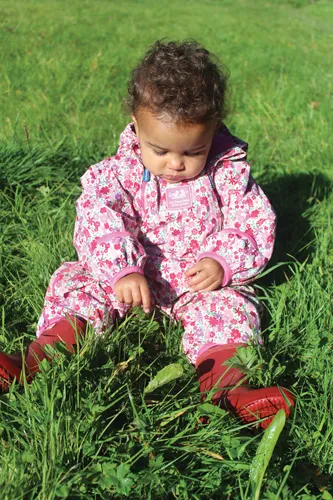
(73, 291)
(225, 316)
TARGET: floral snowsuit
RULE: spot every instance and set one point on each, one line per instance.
(125, 224)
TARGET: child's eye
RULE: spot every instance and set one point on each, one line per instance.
(194, 154)
(160, 153)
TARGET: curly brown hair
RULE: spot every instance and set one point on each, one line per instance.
(181, 81)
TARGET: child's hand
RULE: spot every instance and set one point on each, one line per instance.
(207, 275)
(133, 289)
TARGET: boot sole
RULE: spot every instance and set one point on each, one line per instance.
(265, 408)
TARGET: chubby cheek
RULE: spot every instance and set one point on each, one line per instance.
(152, 162)
(197, 167)
(146, 158)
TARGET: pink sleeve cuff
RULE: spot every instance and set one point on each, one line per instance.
(125, 272)
(226, 268)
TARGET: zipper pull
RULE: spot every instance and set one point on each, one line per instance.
(146, 175)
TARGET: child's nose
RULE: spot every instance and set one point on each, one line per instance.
(176, 163)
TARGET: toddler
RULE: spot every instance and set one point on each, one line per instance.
(174, 219)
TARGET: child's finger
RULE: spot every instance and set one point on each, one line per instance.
(136, 296)
(194, 269)
(203, 285)
(128, 299)
(119, 295)
(197, 278)
(146, 299)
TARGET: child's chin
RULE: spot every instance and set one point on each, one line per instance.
(174, 180)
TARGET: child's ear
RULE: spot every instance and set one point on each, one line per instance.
(135, 125)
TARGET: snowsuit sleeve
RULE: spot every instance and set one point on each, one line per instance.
(245, 244)
(107, 224)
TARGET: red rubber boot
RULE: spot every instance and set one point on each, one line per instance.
(247, 403)
(66, 330)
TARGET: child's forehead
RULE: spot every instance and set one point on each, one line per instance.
(167, 134)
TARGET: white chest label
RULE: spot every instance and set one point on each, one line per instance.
(179, 198)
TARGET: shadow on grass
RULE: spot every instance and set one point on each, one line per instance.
(295, 198)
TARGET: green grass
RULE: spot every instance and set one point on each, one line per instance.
(85, 428)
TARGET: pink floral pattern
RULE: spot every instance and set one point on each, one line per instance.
(125, 225)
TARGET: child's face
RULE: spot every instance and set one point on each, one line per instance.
(173, 152)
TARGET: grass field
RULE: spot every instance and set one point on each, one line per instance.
(85, 428)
